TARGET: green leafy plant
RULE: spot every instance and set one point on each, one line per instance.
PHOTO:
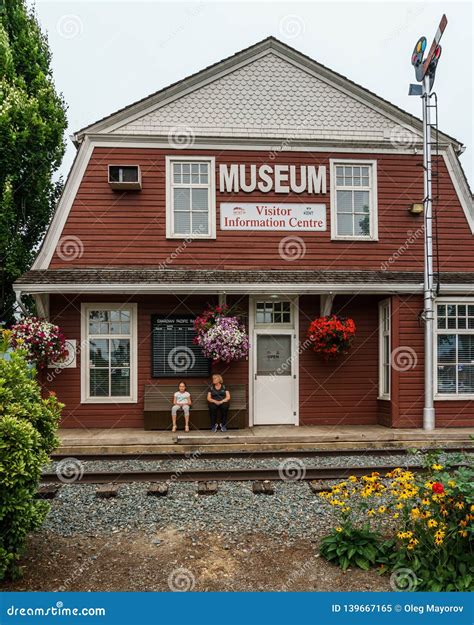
(350, 546)
(427, 521)
(28, 424)
(32, 124)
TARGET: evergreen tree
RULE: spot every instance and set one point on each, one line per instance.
(32, 125)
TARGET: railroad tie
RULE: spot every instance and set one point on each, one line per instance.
(47, 491)
(158, 490)
(263, 488)
(317, 486)
(207, 488)
(107, 491)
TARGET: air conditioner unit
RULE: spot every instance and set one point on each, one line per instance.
(125, 177)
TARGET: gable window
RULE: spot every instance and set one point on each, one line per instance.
(190, 198)
(455, 349)
(353, 199)
(109, 362)
(384, 349)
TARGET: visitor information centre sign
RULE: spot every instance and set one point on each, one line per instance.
(244, 216)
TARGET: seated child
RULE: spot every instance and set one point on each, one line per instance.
(181, 400)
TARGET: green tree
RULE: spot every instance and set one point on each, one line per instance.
(32, 125)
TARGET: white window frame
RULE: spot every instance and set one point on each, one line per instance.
(169, 196)
(373, 202)
(385, 305)
(446, 301)
(273, 324)
(86, 397)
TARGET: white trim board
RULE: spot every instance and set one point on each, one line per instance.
(63, 208)
(84, 354)
(280, 288)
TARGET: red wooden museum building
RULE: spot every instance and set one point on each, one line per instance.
(272, 183)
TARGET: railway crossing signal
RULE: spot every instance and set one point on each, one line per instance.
(425, 71)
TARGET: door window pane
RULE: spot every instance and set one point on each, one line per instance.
(274, 354)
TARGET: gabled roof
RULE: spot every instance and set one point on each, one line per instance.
(368, 112)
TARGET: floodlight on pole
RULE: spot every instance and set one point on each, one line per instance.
(425, 71)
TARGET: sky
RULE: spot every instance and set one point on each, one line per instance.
(108, 54)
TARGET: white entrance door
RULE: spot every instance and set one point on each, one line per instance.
(274, 378)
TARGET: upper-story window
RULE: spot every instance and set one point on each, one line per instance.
(354, 199)
(190, 198)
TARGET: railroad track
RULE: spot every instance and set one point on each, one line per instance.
(219, 455)
(223, 475)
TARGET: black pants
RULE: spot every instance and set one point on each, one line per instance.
(223, 409)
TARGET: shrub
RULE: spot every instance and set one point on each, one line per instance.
(427, 520)
(28, 425)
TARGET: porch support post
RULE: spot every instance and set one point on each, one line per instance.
(222, 299)
(42, 305)
(326, 303)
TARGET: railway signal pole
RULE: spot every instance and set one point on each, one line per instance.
(425, 71)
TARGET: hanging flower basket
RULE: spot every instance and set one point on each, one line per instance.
(43, 341)
(331, 336)
(221, 337)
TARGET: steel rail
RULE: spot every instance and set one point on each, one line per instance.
(265, 453)
(223, 475)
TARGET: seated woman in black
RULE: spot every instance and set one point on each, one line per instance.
(218, 399)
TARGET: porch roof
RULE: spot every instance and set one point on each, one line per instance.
(184, 280)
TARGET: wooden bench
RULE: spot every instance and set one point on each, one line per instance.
(159, 399)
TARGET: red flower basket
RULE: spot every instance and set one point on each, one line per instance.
(331, 336)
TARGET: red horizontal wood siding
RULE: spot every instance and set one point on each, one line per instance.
(66, 312)
(409, 400)
(344, 391)
(128, 228)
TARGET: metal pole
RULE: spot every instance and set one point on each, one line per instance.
(428, 410)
